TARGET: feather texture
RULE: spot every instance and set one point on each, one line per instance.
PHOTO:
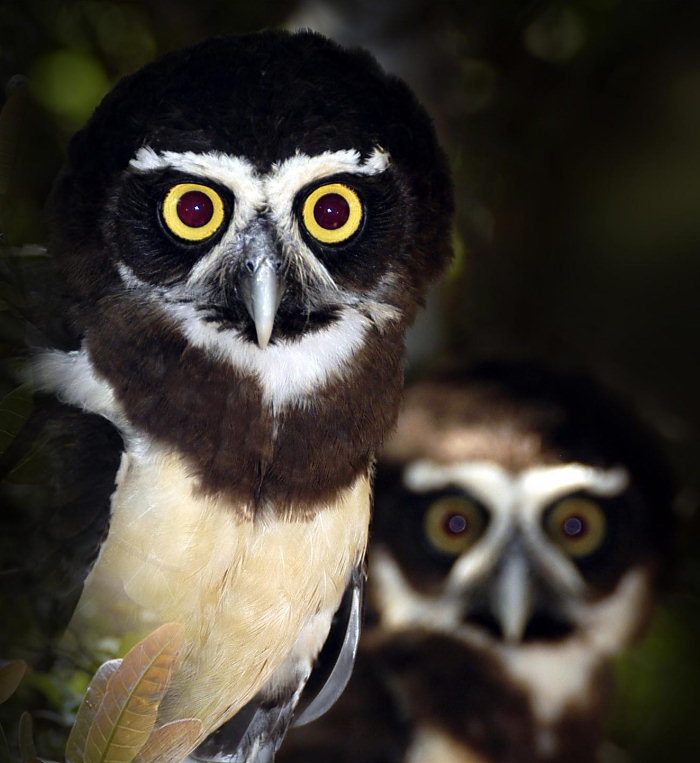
(235, 585)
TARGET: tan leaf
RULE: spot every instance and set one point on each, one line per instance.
(75, 747)
(127, 713)
(11, 675)
(173, 741)
(26, 737)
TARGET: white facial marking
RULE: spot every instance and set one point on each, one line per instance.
(401, 606)
(253, 192)
(557, 675)
(516, 498)
(549, 482)
(288, 177)
(130, 279)
(233, 172)
(288, 371)
(541, 486)
(563, 675)
(273, 192)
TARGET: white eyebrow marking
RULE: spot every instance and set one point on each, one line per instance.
(234, 172)
(273, 192)
(288, 177)
(284, 179)
(516, 499)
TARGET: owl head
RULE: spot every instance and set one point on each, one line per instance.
(521, 532)
(265, 186)
(247, 227)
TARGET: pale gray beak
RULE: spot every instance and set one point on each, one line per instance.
(512, 598)
(261, 284)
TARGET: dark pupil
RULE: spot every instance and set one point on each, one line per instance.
(331, 211)
(195, 209)
(574, 527)
(455, 524)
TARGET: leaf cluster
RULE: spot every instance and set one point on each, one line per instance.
(116, 721)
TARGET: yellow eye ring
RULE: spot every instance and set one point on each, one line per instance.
(193, 211)
(332, 213)
(577, 525)
(453, 524)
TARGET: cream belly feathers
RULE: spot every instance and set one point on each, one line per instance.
(234, 585)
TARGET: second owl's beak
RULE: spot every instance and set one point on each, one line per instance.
(261, 284)
(522, 603)
(512, 598)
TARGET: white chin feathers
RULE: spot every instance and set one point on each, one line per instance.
(289, 371)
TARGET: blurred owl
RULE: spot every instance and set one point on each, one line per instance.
(521, 530)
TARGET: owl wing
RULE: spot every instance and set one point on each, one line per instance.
(58, 475)
(256, 731)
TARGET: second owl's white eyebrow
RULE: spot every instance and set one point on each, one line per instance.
(531, 490)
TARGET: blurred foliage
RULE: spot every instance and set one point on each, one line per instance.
(116, 719)
(574, 133)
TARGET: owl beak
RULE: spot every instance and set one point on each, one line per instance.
(521, 601)
(512, 598)
(261, 285)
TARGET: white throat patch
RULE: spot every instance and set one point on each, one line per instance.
(287, 371)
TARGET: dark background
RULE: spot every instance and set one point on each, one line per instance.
(573, 129)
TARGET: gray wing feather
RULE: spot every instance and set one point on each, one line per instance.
(255, 733)
(349, 613)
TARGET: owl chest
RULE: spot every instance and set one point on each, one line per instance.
(174, 555)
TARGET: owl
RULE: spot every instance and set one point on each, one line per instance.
(245, 229)
(519, 539)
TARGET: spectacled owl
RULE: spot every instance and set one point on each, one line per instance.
(520, 532)
(246, 229)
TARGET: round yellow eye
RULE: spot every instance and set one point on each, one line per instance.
(193, 211)
(453, 524)
(332, 213)
(577, 525)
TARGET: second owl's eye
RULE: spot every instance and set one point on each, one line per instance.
(193, 211)
(453, 524)
(332, 213)
(577, 525)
